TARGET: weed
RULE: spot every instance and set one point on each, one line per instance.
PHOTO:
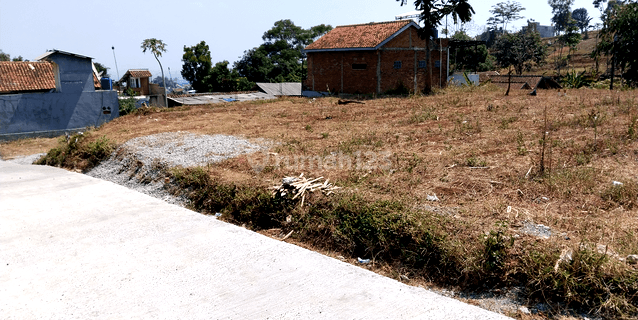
(75, 152)
(127, 106)
(413, 162)
(308, 128)
(505, 122)
(631, 128)
(522, 150)
(496, 244)
(324, 135)
(625, 194)
(425, 115)
(582, 283)
(351, 146)
(473, 161)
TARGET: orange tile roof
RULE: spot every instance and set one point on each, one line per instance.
(367, 35)
(19, 76)
(96, 82)
(137, 73)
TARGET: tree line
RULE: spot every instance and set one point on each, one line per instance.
(279, 59)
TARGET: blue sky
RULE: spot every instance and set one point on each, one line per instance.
(30, 27)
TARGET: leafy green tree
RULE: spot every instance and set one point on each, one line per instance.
(280, 58)
(197, 65)
(561, 10)
(618, 39)
(18, 58)
(469, 58)
(157, 47)
(221, 79)
(4, 56)
(102, 69)
(582, 19)
(571, 37)
(505, 12)
(521, 51)
(433, 11)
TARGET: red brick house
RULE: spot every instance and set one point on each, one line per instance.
(375, 58)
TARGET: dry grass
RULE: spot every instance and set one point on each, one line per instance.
(25, 147)
(477, 150)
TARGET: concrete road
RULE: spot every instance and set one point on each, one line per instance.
(75, 247)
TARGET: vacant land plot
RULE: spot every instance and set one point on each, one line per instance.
(466, 188)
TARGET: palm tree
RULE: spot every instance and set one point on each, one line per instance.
(157, 47)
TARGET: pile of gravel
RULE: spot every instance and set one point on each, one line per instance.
(141, 163)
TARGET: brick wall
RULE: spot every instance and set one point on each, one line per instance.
(356, 71)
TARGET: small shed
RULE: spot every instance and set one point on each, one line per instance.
(138, 80)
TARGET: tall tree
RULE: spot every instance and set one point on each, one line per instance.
(222, 79)
(157, 47)
(618, 38)
(433, 11)
(469, 58)
(197, 65)
(582, 18)
(280, 58)
(562, 15)
(505, 12)
(521, 51)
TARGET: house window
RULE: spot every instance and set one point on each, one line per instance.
(359, 66)
(397, 64)
(422, 64)
(437, 64)
(135, 82)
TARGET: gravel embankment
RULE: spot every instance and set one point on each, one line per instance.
(138, 164)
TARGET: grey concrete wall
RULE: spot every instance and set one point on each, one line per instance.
(42, 114)
(76, 74)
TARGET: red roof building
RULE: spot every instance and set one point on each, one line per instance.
(138, 80)
(376, 58)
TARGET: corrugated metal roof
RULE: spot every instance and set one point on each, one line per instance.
(19, 76)
(360, 36)
(281, 89)
(525, 82)
(50, 52)
(219, 98)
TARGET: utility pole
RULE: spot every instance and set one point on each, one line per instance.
(116, 69)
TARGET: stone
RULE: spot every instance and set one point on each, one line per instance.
(632, 259)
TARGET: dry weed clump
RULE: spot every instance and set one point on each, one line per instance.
(495, 163)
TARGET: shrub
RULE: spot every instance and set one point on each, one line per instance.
(76, 152)
(127, 106)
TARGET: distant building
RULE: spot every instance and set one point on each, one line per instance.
(57, 93)
(376, 58)
(138, 80)
(545, 31)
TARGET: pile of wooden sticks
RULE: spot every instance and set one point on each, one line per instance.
(298, 186)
